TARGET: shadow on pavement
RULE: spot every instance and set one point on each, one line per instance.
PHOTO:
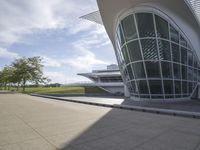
(129, 130)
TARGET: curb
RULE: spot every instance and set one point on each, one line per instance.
(132, 108)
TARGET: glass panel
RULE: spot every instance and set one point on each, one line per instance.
(126, 75)
(138, 69)
(183, 42)
(155, 86)
(162, 27)
(195, 74)
(174, 34)
(190, 74)
(142, 86)
(128, 25)
(190, 58)
(149, 49)
(157, 96)
(120, 35)
(175, 53)
(168, 86)
(177, 71)
(177, 87)
(134, 51)
(164, 49)
(125, 55)
(166, 69)
(145, 24)
(133, 87)
(183, 56)
(190, 87)
(195, 62)
(153, 70)
(184, 72)
(130, 72)
(184, 87)
(199, 75)
(130, 87)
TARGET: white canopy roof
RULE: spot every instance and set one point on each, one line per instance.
(193, 4)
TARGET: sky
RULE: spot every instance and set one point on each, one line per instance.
(53, 30)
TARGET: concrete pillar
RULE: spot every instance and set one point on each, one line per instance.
(126, 91)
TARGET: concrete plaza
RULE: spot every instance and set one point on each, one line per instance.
(33, 123)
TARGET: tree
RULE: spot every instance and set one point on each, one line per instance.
(28, 70)
(6, 76)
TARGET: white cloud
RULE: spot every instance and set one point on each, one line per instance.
(20, 17)
(50, 62)
(4, 53)
(63, 78)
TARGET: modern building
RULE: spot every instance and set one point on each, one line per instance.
(108, 79)
(157, 45)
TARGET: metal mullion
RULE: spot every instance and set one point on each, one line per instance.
(129, 57)
(155, 28)
(180, 65)
(172, 65)
(142, 57)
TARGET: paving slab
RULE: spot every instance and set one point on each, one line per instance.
(35, 123)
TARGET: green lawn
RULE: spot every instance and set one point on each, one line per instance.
(61, 90)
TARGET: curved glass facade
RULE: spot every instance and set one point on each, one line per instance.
(155, 59)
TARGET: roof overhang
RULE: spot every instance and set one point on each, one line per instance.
(181, 12)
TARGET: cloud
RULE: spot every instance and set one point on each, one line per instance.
(50, 62)
(21, 17)
(4, 53)
(60, 77)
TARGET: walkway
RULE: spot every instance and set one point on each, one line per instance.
(33, 123)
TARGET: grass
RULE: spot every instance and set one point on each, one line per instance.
(61, 90)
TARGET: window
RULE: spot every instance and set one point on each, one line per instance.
(166, 69)
(155, 86)
(130, 72)
(120, 35)
(177, 71)
(183, 56)
(175, 53)
(128, 25)
(149, 49)
(162, 27)
(190, 58)
(125, 55)
(177, 87)
(133, 86)
(184, 87)
(190, 87)
(142, 87)
(184, 72)
(168, 86)
(195, 62)
(153, 69)
(183, 42)
(134, 51)
(174, 34)
(145, 24)
(190, 74)
(164, 49)
(138, 69)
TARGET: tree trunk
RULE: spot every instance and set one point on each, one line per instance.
(24, 85)
(17, 86)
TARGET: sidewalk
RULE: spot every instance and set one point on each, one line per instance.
(184, 109)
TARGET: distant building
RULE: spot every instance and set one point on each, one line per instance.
(157, 45)
(108, 79)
